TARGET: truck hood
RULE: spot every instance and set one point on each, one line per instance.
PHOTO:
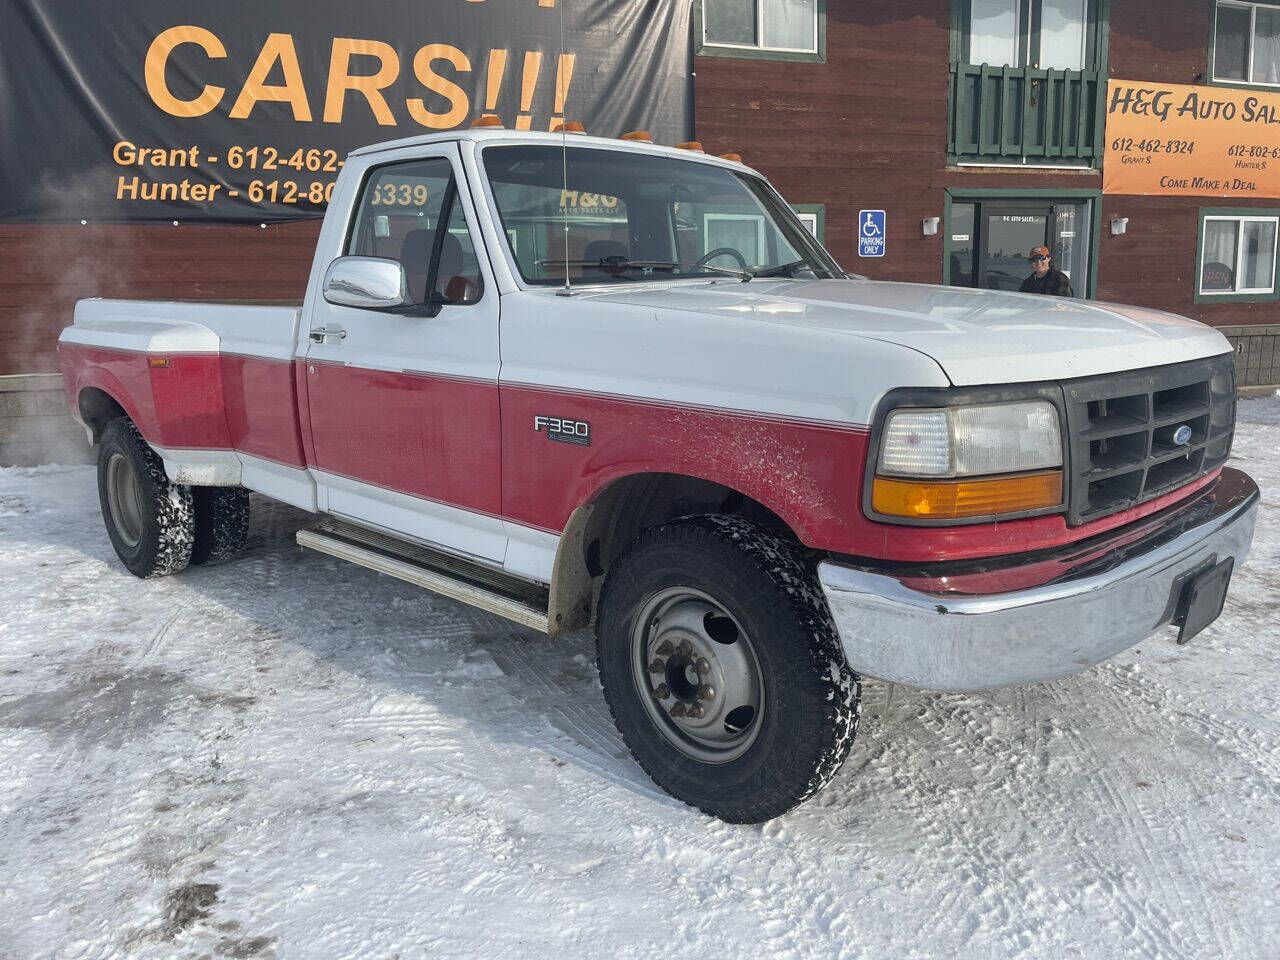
(976, 336)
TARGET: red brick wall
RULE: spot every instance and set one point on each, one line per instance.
(48, 268)
(868, 129)
(865, 129)
(1154, 262)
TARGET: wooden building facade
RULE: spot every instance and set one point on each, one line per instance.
(886, 111)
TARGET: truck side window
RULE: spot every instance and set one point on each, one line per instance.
(458, 278)
(399, 214)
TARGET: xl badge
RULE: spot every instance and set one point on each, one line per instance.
(564, 431)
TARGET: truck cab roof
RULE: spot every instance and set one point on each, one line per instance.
(491, 135)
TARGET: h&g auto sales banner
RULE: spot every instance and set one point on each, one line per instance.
(1168, 139)
(243, 111)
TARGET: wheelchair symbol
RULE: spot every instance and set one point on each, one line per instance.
(869, 226)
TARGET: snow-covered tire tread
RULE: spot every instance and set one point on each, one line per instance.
(222, 524)
(168, 528)
(826, 741)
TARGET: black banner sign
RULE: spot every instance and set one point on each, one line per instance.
(242, 111)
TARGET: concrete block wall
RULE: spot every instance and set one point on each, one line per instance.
(1257, 349)
(35, 426)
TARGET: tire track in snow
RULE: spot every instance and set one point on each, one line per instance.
(1150, 917)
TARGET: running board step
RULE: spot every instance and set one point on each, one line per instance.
(439, 572)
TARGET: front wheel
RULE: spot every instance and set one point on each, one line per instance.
(722, 668)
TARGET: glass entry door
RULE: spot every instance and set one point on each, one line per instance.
(990, 240)
(1011, 232)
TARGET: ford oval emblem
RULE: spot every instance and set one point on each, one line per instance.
(1182, 436)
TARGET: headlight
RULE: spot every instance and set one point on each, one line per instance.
(928, 457)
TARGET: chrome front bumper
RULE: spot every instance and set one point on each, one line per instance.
(1099, 602)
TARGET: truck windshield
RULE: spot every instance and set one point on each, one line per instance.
(636, 216)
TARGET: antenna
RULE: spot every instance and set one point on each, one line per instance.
(567, 290)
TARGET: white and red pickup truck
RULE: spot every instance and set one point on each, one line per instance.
(573, 379)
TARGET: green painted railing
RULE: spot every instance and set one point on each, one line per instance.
(1016, 114)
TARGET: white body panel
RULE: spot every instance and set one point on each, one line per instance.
(976, 336)
(178, 326)
(632, 344)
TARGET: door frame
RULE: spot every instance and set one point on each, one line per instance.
(1093, 196)
(1045, 208)
(430, 516)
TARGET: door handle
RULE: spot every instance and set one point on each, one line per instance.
(322, 334)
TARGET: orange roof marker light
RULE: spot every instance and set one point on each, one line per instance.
(734, 157)
(568, 126)
(487, 120)
(690, 145)
(639, 136)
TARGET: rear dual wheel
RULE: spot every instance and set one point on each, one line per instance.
(158, 527)
(722, 668)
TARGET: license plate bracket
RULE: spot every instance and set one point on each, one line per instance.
(1202, 599)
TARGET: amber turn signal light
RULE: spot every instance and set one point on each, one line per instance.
(568, 126)
(487, 120)
(956, 499)
(640, 136)
(690, 145)
(157, 361)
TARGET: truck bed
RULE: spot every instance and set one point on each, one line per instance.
(215, 376)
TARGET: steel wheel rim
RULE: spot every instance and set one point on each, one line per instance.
(124, 497)
(697, 674)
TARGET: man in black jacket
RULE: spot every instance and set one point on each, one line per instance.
(1045, 278)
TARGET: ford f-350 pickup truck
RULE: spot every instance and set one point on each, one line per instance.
(578, 380)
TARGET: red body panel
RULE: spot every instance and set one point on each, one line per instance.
(809, 474)
(473, 445)
(431, 437)
(262, 408)
(178, 405)
(199, 401)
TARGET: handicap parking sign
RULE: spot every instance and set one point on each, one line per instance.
(871, 233)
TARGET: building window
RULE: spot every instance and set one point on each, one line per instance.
(740, 231)
(1028, 82)
(1238, 254)
(813, 216)
(784, 26)
(1030, 33)
(1246, 43)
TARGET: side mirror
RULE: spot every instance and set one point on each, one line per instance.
(370, 283)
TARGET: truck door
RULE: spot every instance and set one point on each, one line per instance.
(404, 409)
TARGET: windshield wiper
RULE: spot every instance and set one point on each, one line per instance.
(782, 269)
(743, 275)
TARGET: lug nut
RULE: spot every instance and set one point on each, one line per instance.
(707, 692)
(656, 666)
(704, 666)
(665, 649)
(696, 711)
(685, 648)
(677, 710)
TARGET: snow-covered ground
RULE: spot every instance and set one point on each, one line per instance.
(289, 756)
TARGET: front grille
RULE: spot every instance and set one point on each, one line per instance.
(1122, 429)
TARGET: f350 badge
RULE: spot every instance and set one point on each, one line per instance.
(563, 430)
